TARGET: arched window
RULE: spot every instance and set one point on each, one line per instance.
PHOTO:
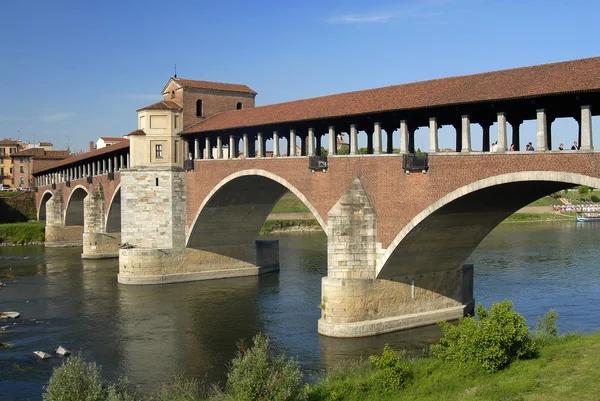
(239, 105)
(199, 108)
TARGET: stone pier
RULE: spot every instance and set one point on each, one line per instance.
(97, 243)
(357, 304)
(57, 233)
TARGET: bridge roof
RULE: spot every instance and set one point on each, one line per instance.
(85, 156)
(566, 77)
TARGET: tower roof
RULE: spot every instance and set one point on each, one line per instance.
(219, 86)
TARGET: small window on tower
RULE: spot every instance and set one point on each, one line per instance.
(199, 108)
(159, 151)
(172, 94)
(239, 106)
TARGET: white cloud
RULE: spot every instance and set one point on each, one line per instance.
(61, 116)
(421, 9)
(360, 19)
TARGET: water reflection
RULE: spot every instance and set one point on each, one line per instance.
(150, 333)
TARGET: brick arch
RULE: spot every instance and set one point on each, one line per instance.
(444, 234)
(74, 207)
(113, 214)
(269, 186)
(41, 209)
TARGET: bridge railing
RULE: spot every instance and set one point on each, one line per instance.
(415, 161)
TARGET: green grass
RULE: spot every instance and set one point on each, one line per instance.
(9, 194)
(546, 201)
(276, 225)
(567, 369)
(20, 233)
(527, 217)
(290, 206)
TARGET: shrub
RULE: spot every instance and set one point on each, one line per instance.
(493, 341)
(392, 368)
(75, 380)
(595, 198)
(256, 374)
(546, 329)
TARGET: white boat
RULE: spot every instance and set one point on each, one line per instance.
(588, 217)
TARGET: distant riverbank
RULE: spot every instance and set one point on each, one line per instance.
(22, 233)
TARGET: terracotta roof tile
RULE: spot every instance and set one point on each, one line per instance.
(556, 78)
(137, 132)
(8, 142)
(40, 153)
(190, 83)
(83, 156)
(162, 105)
(112, 139)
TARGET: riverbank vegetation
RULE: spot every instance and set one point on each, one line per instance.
(22, 233)
(492, 356)
(533, 217)
(290, 225)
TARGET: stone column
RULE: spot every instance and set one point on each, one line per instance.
(433, 135)
(319, 145)
(121, 162)
(516, 135)
(94, 171)
(232, 147)
(390, 140)
(541, 130)
(260, 151)
(502, 132)
(246, 146)
(207, 149)
(311, 141)
(219, 148)
(466, 133)
(353, 139)
(275, 144)
(128, 158)
(485, 126)
(403, 137)
(186, 149)
(196, 148)
(377, 138)
(110, 165)
(292, 143)
(332, 141)
(586, 128)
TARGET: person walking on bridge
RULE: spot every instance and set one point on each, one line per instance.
(575, 146)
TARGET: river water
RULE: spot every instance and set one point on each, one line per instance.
(150, 333)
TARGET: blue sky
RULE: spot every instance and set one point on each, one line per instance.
(76, 70)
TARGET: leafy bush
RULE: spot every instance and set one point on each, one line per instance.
(256, 374)
(393, 369)
(77, 380)
(492, 341)
(595, 198)
(546, 329)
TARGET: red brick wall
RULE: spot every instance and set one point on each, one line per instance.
(110, 188)
(212, 102)
(397, 197)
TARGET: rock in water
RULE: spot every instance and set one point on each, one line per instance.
(62, 351)
(43, 355)
(9, 315)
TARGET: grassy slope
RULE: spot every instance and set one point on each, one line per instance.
(290, 206)
(19, 233)
(568, 369)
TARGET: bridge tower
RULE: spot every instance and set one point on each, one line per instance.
(153, 191)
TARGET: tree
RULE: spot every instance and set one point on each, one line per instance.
(583, 191)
